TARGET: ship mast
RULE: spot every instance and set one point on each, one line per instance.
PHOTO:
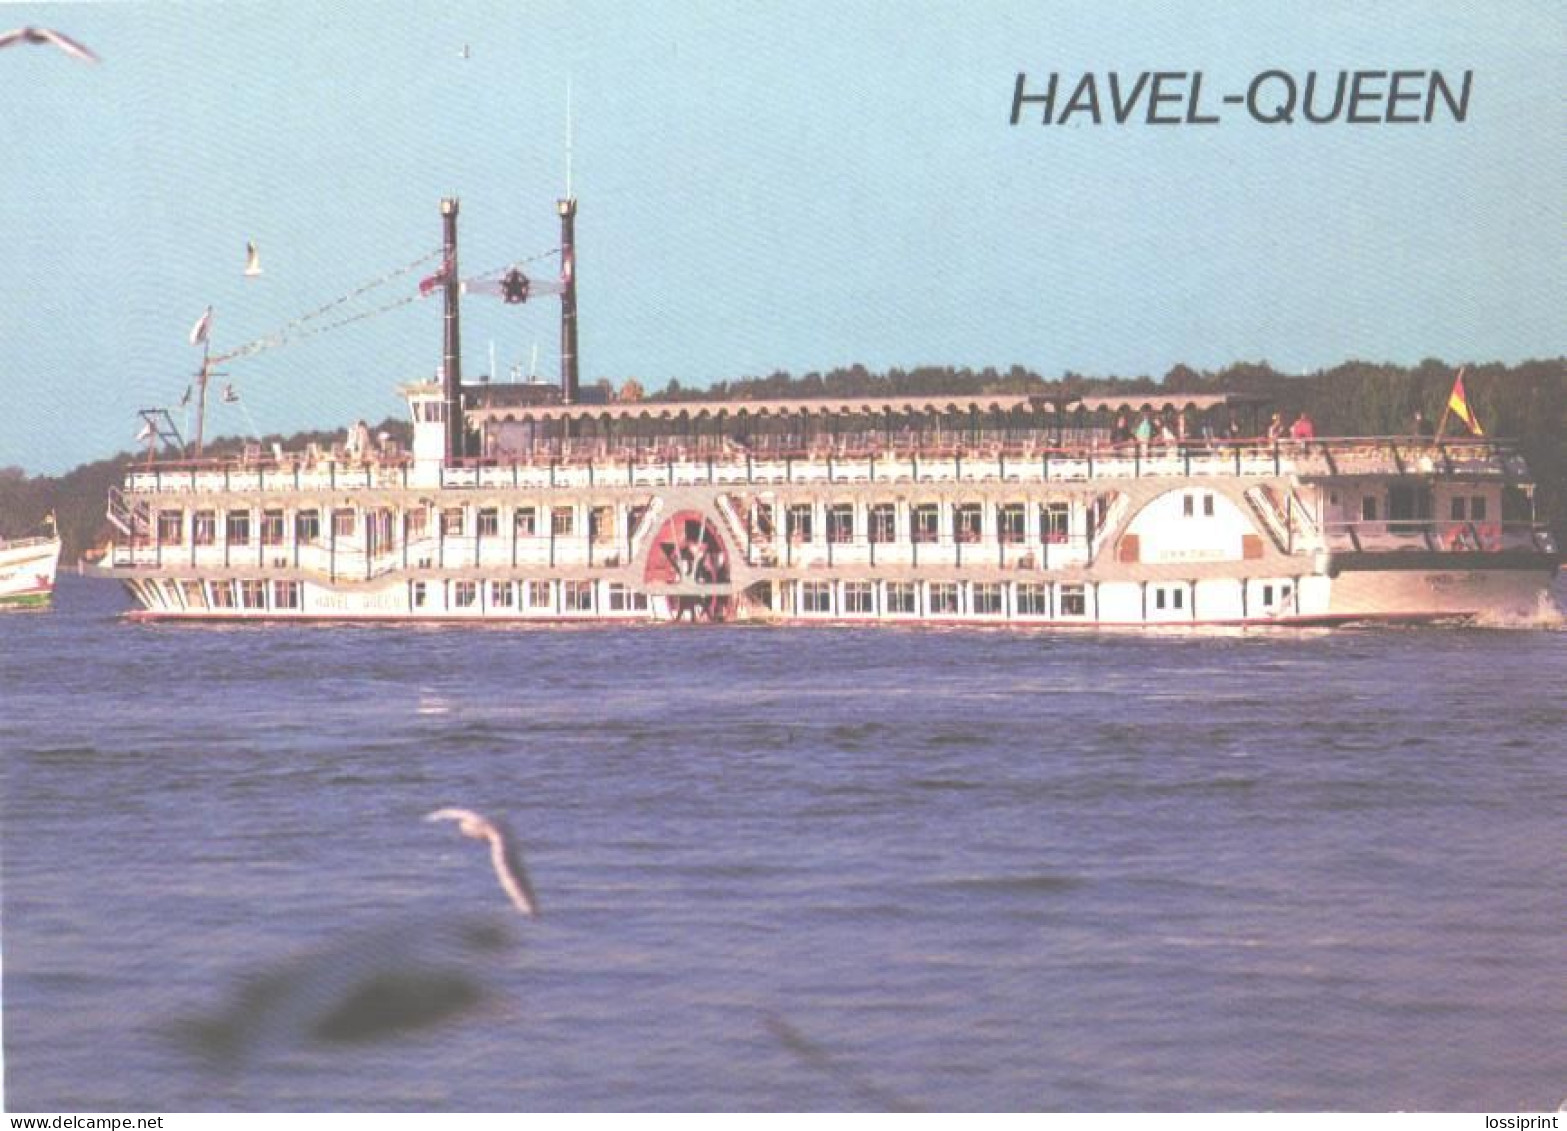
(451, 354)
(567, 207)
(568, 300)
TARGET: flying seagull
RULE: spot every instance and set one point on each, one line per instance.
(503, 854)
(48, 35)
(252, 260)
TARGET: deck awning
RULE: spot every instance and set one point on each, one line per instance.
(848, 408)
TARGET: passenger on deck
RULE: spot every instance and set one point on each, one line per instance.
(359, 441)
(1145, 427)
(1421, 426)
(1121, 431)
(1303, 428)
(1276, 426)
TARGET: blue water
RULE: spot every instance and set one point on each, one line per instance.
(792, 868)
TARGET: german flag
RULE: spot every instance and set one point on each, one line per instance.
(1458, 405)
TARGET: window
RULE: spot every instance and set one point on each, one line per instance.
(857, 597)
(271, 528)
(1207, 506)
(465, 594)
(253, 594)
(307, 527)
(966, 519)
(1460, 508)
(622, 600)
(884, 522)
(815, 597)
(204, 528)
(222, 594)
(415, 523)
(924, 521)
(1010, 523)
(285, 594)
(525, 521)
(195, 597)
(943, 598)
(171, 527)
(419, 594)
(578, 596)
(343, 522)
(636, 514)
(901, 597)
(840, 522)
(563, 521)
(987, 599)
(500, 594)
(1368, 508)
(1407, 502)
(452, 522)
(237, 528)
(1074, 601)
(1517, 504)
(1053, 520)
(1477, 508)
(1188, 505)
(1032, 599)
(601, 524)
(489, 522)
(1267, 594)
(1158, 598)
(798, 522)
(538, 594)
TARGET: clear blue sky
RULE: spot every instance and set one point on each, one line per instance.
(763, 186)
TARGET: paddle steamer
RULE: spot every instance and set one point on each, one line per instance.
(524, 503)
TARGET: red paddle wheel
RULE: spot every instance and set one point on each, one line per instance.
(689, 552)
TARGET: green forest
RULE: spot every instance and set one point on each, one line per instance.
(1526, 402)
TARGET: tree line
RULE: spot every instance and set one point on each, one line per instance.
(1527, 402)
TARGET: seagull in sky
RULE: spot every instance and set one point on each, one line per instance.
(48, 35)
(503, 854)
(252, 260)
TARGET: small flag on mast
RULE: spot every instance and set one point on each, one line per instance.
(203, 326)
(230, 394)
(1458, 405)
(439, 279)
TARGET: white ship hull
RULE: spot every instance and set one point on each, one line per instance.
(27, 569)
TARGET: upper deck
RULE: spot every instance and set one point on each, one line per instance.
(846, 457)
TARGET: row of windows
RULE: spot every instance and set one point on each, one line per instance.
(939, 598)
(923, 522)
(881, 523)
(246, 594)
(574, 596)
(1406, 504)
(237, 527)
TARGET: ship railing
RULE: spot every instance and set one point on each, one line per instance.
(703, 460)
(1441, 536)
(300, 472)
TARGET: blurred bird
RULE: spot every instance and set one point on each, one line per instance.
(48, 35)
(252, 260)
(503, 854)
(464, 53)
(375, 984)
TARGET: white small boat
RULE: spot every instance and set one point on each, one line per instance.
(27, 567)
